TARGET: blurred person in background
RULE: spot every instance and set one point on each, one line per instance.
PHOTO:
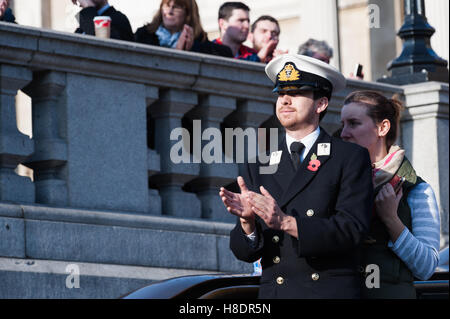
(322, 51)
(177, 25)
(120, 25)
(234, 26)
(317, 49)
(264, 36)
(5, 12)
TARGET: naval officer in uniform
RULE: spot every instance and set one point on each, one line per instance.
(307, 219)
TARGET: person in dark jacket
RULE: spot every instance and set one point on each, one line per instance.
(177, 25)
(306, 212)
(120, 25)
(234, 24)
(5, 12)
(264, 36)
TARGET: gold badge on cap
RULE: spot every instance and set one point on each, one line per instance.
(289, 73)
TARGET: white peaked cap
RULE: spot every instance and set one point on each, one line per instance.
(309, 68)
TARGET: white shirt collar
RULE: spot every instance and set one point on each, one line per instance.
(308, 141)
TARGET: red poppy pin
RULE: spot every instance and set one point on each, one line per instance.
(314, 163)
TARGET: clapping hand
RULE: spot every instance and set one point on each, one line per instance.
(239, 205)
(269, 51)
(186, 39)
(3, 6)
(278, 52)
(266, 52)
(266, 207)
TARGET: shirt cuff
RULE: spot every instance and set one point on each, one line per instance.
(398, 243)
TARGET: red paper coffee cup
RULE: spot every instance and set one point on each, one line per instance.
(102, 26)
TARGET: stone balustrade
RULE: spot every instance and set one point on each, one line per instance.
(103, 112)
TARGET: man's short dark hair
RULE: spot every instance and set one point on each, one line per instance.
(264, 18)
(226, 9)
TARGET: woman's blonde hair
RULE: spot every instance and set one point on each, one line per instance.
(192, 18)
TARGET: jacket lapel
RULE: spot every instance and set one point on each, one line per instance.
(306, 171)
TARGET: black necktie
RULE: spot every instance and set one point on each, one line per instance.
(296, 149)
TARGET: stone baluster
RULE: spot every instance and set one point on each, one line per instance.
(214, 172)
(154, 160)
(250, 114)
(15, 147)
(167, 112)
(50, 134)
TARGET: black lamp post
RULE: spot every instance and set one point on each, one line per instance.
(417, 62)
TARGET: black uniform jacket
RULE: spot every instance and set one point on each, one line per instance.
(120, 25)
(332, 207)
(8, 16)
(143, 36)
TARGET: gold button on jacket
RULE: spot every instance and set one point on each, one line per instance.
(315, 276)
(280, 280)
(275, 239)
(309, 212)
(276, 259)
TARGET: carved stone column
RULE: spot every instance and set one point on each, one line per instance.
(214, 172)
(326, 29)
(437, 15)
(154, 159)
(425, 134)
(49, 132)
(249, 115)
(15, 147)
(167, 112)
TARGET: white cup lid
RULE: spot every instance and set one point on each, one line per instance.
(102, 18)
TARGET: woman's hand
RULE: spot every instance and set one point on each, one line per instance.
(386, 206)
(386, 202)
(186, 39)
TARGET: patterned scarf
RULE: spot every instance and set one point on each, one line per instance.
(167, 39)
(383, 171)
